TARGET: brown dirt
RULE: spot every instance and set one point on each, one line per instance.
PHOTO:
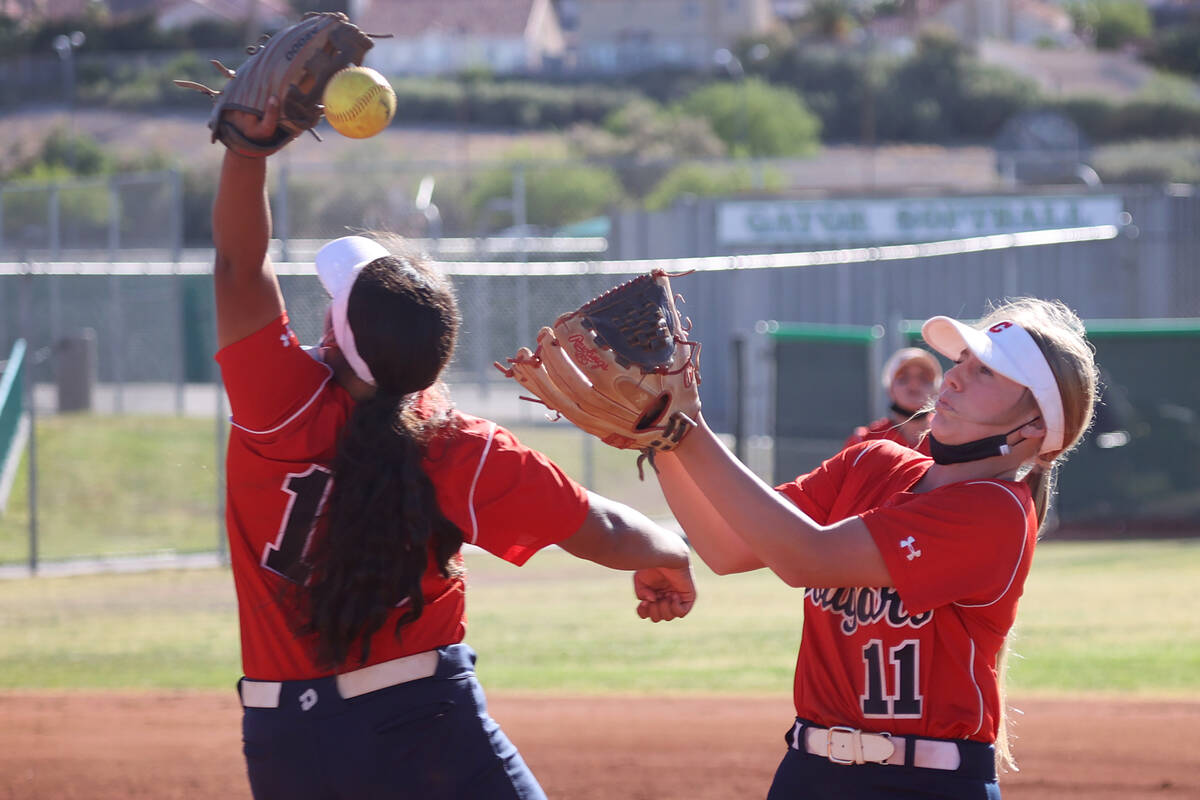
(105, 746)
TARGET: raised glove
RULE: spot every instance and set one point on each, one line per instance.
(620, 367)
(293, 65)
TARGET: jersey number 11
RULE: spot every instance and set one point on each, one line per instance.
(905, 703)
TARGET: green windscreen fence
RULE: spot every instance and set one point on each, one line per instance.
(1139, 467)
(824, 379)
(1137, 471)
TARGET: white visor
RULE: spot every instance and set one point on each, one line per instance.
(904, 357)
(1008, 349)
(338, 264)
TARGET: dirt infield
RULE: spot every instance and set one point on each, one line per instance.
(127, 746)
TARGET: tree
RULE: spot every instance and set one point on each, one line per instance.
(555, 194)
(705, 180)
(1113, 23)
(644, 140)
(1178, 48)
(755, 118)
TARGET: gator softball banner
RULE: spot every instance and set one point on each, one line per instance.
(852, 221)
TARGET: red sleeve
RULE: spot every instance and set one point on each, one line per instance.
(269, 378)
(816, 492)
(859, 435)
(508, 499)
(963, 543)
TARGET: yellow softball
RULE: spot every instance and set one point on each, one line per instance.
(359, 102)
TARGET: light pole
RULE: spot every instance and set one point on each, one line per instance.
(66, 45)
(734, 68)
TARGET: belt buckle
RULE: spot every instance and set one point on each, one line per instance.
(852, 733)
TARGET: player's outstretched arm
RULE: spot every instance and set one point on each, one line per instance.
(795, 547)
(712, 537)
(247, 291)
(617, 536)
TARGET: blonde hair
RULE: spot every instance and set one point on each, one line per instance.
(1060, 335)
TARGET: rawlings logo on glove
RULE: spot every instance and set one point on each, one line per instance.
(585, 355)
(294, 65)
(620, 367)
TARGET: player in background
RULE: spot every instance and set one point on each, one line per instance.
(911, 378)
(912, 565)
(352, 485)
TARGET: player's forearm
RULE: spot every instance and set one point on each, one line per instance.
(773, 529)
(241, 215)
(794, 546)
(707, 531)
(246, 289)
(617, 536)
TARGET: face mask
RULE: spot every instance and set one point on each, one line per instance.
(974, 451)
(908, 412)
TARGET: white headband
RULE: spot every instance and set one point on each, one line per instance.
(338, 265)
(1007, 348)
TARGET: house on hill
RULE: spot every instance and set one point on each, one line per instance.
(435, 37)
(255, 14)
(168, 14)
(1033, 38)
(611, 36)
(27, 10)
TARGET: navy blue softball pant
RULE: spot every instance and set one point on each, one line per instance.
(804, 776)
(430, 739)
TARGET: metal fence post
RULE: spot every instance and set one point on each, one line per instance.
(31, 402)
(519, 211)
(739, 396)
(52, 222)
(54, 286)
(176, 181)
(118, 335)
(114, 219)
(589, 459)
(844, 293)
(483, 335)
(520, 220)
(281, 213)
(33, 473)
(181, 332)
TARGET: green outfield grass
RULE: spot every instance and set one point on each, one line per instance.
(1111, 617)
(120, 485)
(112, 485)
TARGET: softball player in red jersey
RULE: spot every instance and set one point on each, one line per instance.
(913, 565)
(911, 378)
(352, 485)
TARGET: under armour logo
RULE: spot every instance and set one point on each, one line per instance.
(912, 551)
(285, 340)
(308, 699)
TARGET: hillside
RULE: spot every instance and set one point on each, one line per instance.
(184, 136)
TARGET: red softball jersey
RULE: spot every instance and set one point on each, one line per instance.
(917, 657)
(884, 428)
(287, 414)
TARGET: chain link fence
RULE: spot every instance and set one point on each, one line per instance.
(106, 218)
(140, 472)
